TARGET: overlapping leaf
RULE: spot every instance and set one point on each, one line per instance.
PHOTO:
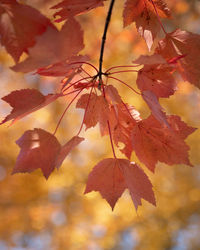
(19, 26)
(111, 177)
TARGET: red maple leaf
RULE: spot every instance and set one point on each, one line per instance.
(66, 44)
(26, 101)
(96, 110)
(152, 142)
(64, 68)
(111, 177)
(186, 46)
(19, 26)
(157, 78)
(71, 8)
(40, 149)
(142, 12)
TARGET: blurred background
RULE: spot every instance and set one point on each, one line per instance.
(36, 214)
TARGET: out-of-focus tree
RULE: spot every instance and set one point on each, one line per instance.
(54, 214)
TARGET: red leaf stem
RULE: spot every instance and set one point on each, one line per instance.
(85, 78)
(66, 111)
(87, 64)
(124, 84)
(121, 66)
(124, 71)
(158, 17)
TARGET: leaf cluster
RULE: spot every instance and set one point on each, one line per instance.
(56, 53)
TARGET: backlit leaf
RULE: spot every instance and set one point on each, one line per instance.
(26, 101)
(19, 27)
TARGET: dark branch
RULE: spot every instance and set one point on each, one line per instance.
(100, 73)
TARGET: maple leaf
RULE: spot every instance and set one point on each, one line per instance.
(66, 44)
(40, 149)
(152, 142)
(158, 79)
(19, 26)
(186, 46)
(111, 177)
(26, 101)
(142, 12)
(64, 68)
(75, 7)
(96, 110)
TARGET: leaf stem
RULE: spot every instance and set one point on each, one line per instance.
(123, 71)
(85, 72)
(85, 63)
(72, 92)
(122, 66)
(158, 17)
(66, 111)
(85, 78)
(124, 84)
